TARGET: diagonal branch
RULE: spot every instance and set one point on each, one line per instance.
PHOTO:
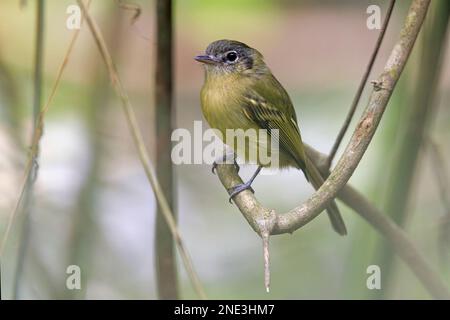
(26, 227)
(362, 136)
(142, 150)
(37, 134)
(256, 214)
(361, 86)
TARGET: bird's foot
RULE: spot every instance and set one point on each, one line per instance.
(239, 188)
(215, 164)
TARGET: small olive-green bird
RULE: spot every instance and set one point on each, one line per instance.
(240, 92)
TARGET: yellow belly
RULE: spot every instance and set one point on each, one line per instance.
(223, 111)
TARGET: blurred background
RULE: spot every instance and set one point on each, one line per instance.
(92, 206)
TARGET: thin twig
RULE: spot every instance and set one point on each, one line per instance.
(84, 225)
(131, 7)
(141, 148)
(362, 136)
(265, 226)
(266, 256)
(361, 86)
(394, 235)
(403, 246)
(38, 60)
(26, 230)
(36, 139)
(254, 212)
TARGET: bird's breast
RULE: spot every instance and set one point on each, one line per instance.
(223, 106)
(222, 103)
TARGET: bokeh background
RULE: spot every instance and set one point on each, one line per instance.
(92, 205)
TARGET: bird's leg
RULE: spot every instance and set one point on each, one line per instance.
(241, 187)
(224, 159)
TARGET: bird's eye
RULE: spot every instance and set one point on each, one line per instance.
(232, 56)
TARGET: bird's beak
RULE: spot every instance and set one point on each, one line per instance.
(206, 59)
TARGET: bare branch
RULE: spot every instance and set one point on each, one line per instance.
(255, 213)
(37, 134)
(365, 128)
(142, 150)
(26, 227)
(363, 82)
(363, 134)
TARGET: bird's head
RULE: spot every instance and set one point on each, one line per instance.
(230, 56)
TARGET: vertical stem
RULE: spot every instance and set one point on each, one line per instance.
(37, 98)
(38, 61)
(415, 124)
(361, 86)
(165, 253)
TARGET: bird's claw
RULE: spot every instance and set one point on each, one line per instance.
(239, 188)
(215, 164)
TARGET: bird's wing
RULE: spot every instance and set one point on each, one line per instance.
(268, 105)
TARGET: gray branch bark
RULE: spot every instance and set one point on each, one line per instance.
(266, 221)
(166, 267)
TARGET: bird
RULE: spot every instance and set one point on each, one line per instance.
(240, 92)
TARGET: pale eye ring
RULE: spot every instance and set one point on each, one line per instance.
(231, 56)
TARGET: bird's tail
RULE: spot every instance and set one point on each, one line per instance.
(317, 180)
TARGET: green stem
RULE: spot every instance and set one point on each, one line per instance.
(415, 124)
(37, 97)
(165, 253)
